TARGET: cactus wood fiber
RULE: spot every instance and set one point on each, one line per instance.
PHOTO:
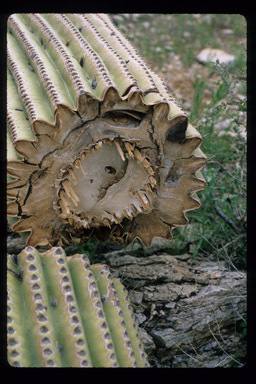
(96, 144)
(64, 312)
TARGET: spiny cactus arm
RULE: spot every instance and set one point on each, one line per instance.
(152, 86)
(121, 47)
(127, 51)
(55, 37)
(91, 311)
(42, 65)
(17, 116)
(88, 60)
(114, 316)
(115, 65)
(19, 348)
(57, 317)
(38, 324)
(12, 155)
(31, 94)
(131, 326)
(111, 152)
(69, 329)
(27, 103)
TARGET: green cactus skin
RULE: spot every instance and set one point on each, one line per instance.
(64, 312)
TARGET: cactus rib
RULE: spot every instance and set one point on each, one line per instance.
(60, 315)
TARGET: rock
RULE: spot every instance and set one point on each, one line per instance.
(136, 297)
(187, 106)
(147, 340)
(168, 292)
(167, 338)
(140, 318)
(225, 128)
(146, 24)
(227, 31)
(15, 243)
(160, 243)
(118, 19)
(211, 55)
(186, 34)
(224, 124)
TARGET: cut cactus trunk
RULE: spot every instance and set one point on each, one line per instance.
(96, 144)
(64, 312)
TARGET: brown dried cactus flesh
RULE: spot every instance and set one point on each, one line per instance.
(96, 144)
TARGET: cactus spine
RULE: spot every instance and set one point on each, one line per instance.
(102, 149)
(64, 312)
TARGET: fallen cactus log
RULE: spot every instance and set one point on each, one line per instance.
(96, 144)
(64, 312)
(189, 309)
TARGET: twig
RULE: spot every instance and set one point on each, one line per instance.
(233, 209)
(222, 215)
(223, 169)
(240, 365)
(231, 263)
(226, 245)
(221, 362)
(241, 317)
(182, 350)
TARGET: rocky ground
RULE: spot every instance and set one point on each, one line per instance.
(188, 310)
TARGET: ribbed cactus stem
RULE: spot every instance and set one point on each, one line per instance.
(69, 330)
(131, 325)
(35, 311)
(114, 316)
(92, 314)
(62, 312)
(19, 346)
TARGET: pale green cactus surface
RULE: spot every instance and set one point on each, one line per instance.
(97, 146)
(64, 312)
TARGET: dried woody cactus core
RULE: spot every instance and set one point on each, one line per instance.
(63, 312)
(96, 144)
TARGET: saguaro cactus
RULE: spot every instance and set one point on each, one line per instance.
(64, 312)
(96, 144)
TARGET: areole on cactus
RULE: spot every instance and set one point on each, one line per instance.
(64, 312)
(96, 144)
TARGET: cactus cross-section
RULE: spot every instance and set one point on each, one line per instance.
(64, 312)
(96, 144)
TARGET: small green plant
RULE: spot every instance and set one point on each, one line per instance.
(89, 249)
(220, 225)
(199, 86)
(241, 330)
(158, 35)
